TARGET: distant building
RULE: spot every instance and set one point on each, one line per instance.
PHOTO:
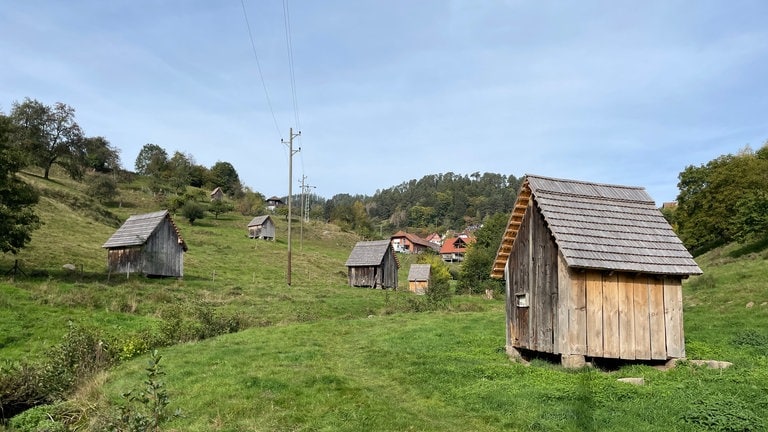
(410, 243)
(149, 244)
(435, 238)
(418, 278)
(373, 264)
(273, 203)
(261, 227)
(217, 194)
(454, 248)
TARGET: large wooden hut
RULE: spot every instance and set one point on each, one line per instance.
(261, 227)
(373, 264)
(592, 271)
(418, 278)
(149, 244)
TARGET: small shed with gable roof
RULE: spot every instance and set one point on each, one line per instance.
(592, 271)
(373, 264)
(149, 244)
(418, 278)
(261, 227)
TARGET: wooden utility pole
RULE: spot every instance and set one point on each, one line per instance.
(304, 209)
(291, 152)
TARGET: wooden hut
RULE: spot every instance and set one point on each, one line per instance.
(592, 271)
(418, 278)
(217, 194)
(149, 244)
(373, 264)
(261, 227)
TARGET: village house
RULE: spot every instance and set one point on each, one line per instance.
(404, 242)
(373, 264)
(273, 203)
(592, 271)
(148, 244)
(454, 248)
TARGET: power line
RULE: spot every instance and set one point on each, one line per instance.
(291, 69)
(258, 66)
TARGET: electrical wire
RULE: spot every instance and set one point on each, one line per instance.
(292, 74)
(258, 66)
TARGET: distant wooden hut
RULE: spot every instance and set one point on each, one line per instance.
(149, 244)
(217, 194)
(592, 271)
(261, 227)
(418, 278)
(373, 264)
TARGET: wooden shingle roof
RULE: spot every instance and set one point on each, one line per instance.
(600, 226)
(419, 272)
(138, 228)
(259, 220)
(369, 253)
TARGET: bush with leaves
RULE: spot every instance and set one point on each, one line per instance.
(102, 187)
(145, 409)
(192, 211)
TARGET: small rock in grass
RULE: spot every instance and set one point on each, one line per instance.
(712, 364)
(633, 381)
(70, 267)
(750, 305)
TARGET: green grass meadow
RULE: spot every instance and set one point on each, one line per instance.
(319, 355)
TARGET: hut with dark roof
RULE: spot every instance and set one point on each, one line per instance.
(373, 264)
(592, 271)
(261, 227)
(418, 278)
(149, 244)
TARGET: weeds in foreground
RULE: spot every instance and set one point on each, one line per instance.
(145, 410)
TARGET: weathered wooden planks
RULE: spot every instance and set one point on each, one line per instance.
(594, 314)
(673, 317)
(642, 319)
(626, 317)
(656, 318)
(611, 334)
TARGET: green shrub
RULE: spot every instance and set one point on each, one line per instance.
(38, 419)
(145, 409)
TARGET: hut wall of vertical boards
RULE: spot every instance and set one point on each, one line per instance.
(148, 244)
(592, 270)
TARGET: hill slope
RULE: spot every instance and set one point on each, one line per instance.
(320, 355)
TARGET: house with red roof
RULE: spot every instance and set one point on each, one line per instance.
(454, 248)
(410, 243)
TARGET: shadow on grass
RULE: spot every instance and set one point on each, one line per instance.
(748, 248)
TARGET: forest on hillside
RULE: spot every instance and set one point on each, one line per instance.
(723, 200)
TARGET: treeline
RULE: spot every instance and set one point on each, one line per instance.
(434, 203)
(722, 201)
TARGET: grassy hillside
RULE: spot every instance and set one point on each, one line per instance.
(320, 355)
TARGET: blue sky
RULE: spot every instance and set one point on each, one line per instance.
(387, 91)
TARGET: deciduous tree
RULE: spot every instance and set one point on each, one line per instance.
(17, 198)
(49, 134)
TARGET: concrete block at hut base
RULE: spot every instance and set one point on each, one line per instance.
(633, 381)
(573, 361)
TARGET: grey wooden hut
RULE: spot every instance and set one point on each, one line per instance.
(373, 264)
(149, 244)
(261, 227)
(592, 271)
(418, 278)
